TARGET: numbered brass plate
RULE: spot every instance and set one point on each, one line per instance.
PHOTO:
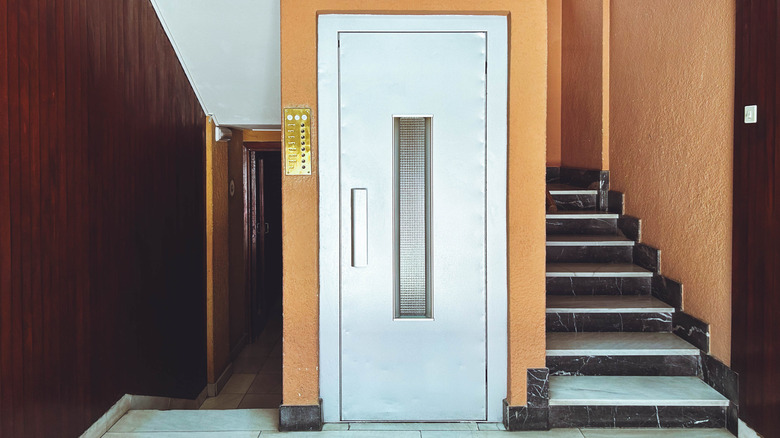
(297, 141)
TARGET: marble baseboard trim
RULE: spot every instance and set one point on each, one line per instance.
(577, 201)
(297, 418)
(533, 416)
(648, 257)
(617, 202)
(638, 416)
(215, 388)
(598, 285)
(609, 322)
(553, 174)
(107, 420)
(673, 365)
(667, 290)
(631, 227)
(589, 254)
(720, 377)
(525, 418)
(732, 418)
(693, 330)
(745, 431)
(581, 226)
(587, 178)
(538, 387)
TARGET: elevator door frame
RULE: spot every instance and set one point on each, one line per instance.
(329, 27)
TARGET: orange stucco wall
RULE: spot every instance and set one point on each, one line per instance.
(527, 156)
(672, 79)
(585, 84)
(554, 16)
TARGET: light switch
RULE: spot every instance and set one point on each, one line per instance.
(751, 114)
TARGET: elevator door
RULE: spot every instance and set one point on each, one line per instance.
(413, 227)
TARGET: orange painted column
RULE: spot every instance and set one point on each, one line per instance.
(526, 182)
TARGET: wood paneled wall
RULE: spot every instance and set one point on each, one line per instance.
(756, 277)
(102, 234)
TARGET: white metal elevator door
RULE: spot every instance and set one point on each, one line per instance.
(426, 362)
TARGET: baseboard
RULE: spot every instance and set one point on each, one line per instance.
(215, 388)
(746, 431)
(298, 418)
(535, 414)
(107, 420)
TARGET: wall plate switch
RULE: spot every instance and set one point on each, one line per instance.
(751, 114)
(297, 141)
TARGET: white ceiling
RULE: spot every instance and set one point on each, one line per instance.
(230, 51)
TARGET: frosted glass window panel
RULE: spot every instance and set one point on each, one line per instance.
(412, 151)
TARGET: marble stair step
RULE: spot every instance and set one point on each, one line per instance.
(588, 240)
(607, 304)
(578, 248)
(568, 197)
(596, 270)
(635, 401)
(618, 344)
(633, 391)
(581, 221)
(566, 189)
(608, 313)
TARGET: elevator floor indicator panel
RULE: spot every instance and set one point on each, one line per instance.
(297, 141)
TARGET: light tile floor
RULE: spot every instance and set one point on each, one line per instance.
(256, 382)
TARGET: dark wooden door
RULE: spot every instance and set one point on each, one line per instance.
(266, 236)
(756, 250)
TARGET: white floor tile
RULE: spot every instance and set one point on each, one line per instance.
(238, 384)
(345, 434)
(554, 433)
(222, 401)
(335, 426)
(235, 434)
(659, 433)
(198, 421)
(413, 426)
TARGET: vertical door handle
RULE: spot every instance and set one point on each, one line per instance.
(359, 228)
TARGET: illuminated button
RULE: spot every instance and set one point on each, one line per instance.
(304, 117)
(297, 117)
(289, 117)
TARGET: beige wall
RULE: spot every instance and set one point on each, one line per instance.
(585, 84)
(672, 81)
(527, 156)
(554, 16)
(239, 305)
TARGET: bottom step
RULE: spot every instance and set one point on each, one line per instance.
(656, 433)
(635, 401)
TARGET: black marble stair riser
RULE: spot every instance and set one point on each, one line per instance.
(598, 285)
(575, 202)
(589, 254)
(672, 365)
(609, 322)
(582, 226)
(637, 416)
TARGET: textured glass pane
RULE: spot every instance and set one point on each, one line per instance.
(412, 217)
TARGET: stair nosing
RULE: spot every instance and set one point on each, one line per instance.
(589, 240)
(581, 214)
(600, 270)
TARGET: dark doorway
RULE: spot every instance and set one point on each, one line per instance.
(265, 234)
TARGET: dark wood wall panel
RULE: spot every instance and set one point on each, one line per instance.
(102, 227)
(756, 273)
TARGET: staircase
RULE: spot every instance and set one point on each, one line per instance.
(612, 356)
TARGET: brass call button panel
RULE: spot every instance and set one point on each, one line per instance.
(297, 141)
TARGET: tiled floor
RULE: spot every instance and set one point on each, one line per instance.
(254, 423)
(257, 375)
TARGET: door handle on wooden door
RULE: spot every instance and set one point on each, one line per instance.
(359, 228)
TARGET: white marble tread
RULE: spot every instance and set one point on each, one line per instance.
(552, 433)
(653, 433)
(606, 304)
(618, 344)
(566, 189)
(588, 240)
(596, 270)
(414, 426)
(581, 214)
(632, 391)
(232, 420)
(233, 434)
